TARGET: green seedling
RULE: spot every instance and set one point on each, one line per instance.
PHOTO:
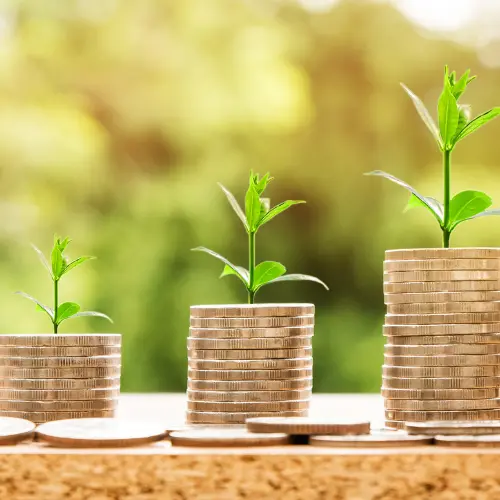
(257, 213)
(455, 124)
(60, 266)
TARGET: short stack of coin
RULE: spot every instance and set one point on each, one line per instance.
(249, 361)
(442, 328)
(54, 377)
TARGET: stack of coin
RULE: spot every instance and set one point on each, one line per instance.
(54, 377)
(249, 361)
(442, 328)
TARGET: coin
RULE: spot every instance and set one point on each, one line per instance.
(308, 426)
(441, 286)
(226, 438)
(51, 340)
(72, 361)
(38, 417)
(58, 395)
(250, 375)
(249, 354)
(395, 383)
(250, 333)
(254, 364)
(441, 297)
(394, 425)
(32, 406)
(416, 276)
(250, 385)
(253, 406)
(251, 310)
(419, 416)
(442, 405)
(443, 360)
(447, 428)
(441, 308)
(440, 371)
(15, 430)
(446, 349)
(60, 352)
(242, 396)
(468, 441)
(196, 417)
(108, 371)
(441, 319)
(380, 439)
(441, 265)
(253, 343)
(440, 394)
(440, 340)
(59, 383)
(466, 329)
(442, 253)
(260, 322)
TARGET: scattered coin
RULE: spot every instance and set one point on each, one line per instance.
(68, 362)
(423, 416)
(60, 340)
(455, 383)
(380, 439)
(440, 340)
(441, 394)
(251, 310)
(195, 417)
(419, 276)
(249, 354)
(59, 383)
(251, 333)
(441, 297)
(442, 405)
(266, 322)
(83, 372)
(226, 438)
(442, 253)
(307, 426)
(250, 385)
(249, 375)
(99, 433)
(59, 352)
(437, 350)
(252, 343)
(97, 404)
(441, 286)
(243, 396)
(476, 427)
(253, 364)
(491, 441)
(442, 319)
(443, 360)
(440, 371)
(253, 406)
(455, 329)
(441, 265)
(15, 430)
(58, 395)
(38, 417)
(443, 308)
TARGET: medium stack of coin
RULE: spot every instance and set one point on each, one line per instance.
(54, 377)
(442, 329)
(249, 361)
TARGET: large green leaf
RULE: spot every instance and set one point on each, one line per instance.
(267, 271)
(297, 277)
(424, 115)
(242, 273)
(252, 207)
(41, 306)
(467, 204)
(76, 263)
(92, 313)
(235, 205)
(276, 210)
(448, 116)
(236, 269)
(42, 258)
(477, 122)
(66, 310)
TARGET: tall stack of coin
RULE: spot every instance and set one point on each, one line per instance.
(54, 377)
(442, 328)
(249, 361)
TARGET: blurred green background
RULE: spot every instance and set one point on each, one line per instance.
(118, 118)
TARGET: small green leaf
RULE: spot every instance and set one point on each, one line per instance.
(467, 204)
(448, 116)
(459, 87)
(464, 114)
(261, 184)
(267, 271)
(252, 207)
(265, 205)
(92, 313)
(41, 306)
(276, 210)
(477, 122)
(57, 262)
(236, 269)
(76, 263)
(242, 273)
(42, 258)
(297, 277)
(66, 310)
(235, 205)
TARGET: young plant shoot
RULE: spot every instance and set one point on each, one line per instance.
(257, 213)
(455, 124)
(60, 266)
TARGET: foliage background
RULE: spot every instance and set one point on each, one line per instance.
(118, 118)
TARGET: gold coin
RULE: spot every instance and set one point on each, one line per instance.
(249, 354)
(399, 383)
(96, 404)
(424, 416)
(251, 310)
(243, 396)
(39, 417)
(451, 329)
(256, 364)
(198, 417)
(379, 439)
(442, 253)
(251, 333)
(250, 385)
(59, 383)
(15, 430)
(70, 362)
(439, 276)
(491, 441)
(260, 322)
(438, 340)
(441, 308)
(394, 425)
(442, 319)
(269, 343)
(32, 373)
(441, 405)
(441, 286)
(250, 375)
(447, 428)
(440, 371)
(308, 425)
(58, 395)
(441, 297)
(253, 406)
(437, 350)
(59, 352)
(99, 433)
(441, 265)
(226, 438)
(440, 394)
(443, 360)
(51, 340)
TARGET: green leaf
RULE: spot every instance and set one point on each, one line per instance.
(252, 207)
(267, 271)
(242, 273)
(76, 263)
(424, 115)
(57, 262)
(92, 313)
(261, 184)
(464, 113)
(467, 204)
(43, 307)
(235, 205)
(486, 213)
(477, 122)
(276, 210)
(448, 116)
(265, 206)
(42, 258)
(459, 87)
(66, 310)
(414, 202)
(297, 277)
(236, 269)
(432, 205)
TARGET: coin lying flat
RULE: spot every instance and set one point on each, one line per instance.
(441, 297)
(423, 416)
(440, 371)
(53, 373)
(243, 396)
(441, 286)
(39, 417)
(99, 433)
(397, 383)
(252, 406)
(251, 310)
(58, 395)
(443, 308)
(443, 360)
(250, 385)
(444, 329)
(441, 319)
(253, 343)
(249, 375)
(439, 340)
(441, 265)
(59, 383)
(59, 352)
(420, 276)
(447, 428)
(250, 333)
(97, 404)
(308, 426)
(469, 441)
(259, 322)
(443, 253)
(441, 394)
(442, 405)
(60, 340)
(15, 430)
(249, 354)
(252, 364)
(380, 439)
(226, 438)
(68, 362)
(445, 349)
(195, 417)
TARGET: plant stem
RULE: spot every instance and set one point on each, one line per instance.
(56, 303)
(446, 198)
(251, 266)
